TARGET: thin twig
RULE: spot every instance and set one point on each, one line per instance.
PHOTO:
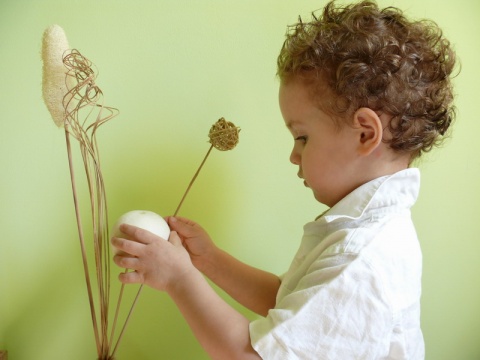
(82, 241)
(193, 180)
(141, 286)
(117, 311)
(126, 321)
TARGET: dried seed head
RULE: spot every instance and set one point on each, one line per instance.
(54, 86)
(224, 135)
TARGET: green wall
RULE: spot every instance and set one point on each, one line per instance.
(173, 68)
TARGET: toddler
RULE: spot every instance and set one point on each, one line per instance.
(364, 92)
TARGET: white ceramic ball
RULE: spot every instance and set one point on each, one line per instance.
(147, 220)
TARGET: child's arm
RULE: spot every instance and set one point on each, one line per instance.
(166, 266)
(253, 288)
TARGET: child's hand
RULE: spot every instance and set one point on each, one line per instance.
(195, 239)
(156, 262)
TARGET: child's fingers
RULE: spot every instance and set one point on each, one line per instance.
(127, 262)
(183, 226)
(132, 277)
(127, 246)
(179, 219)
(137, 234)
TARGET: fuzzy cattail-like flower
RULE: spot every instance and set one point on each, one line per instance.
(54, 87)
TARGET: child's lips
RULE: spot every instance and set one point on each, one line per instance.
(301, 177)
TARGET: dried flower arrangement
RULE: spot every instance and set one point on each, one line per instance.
(75, 103)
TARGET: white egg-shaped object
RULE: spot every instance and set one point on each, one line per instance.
(147, 220)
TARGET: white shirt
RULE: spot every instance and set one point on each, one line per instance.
(353, 288)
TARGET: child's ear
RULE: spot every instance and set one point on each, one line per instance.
(370, 130)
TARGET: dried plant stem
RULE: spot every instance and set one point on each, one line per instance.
(100, 236)
(117, 311)
(82, 241)
(84, 114)
(192, 181)
(127, 320)
(223, 136)
(141, 286)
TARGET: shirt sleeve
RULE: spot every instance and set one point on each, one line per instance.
(337, 311)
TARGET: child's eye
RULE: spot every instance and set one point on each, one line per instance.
(301, 138)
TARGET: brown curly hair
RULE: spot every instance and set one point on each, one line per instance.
(377, 58)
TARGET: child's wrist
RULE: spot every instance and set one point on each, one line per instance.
(207, 264)
(182, 281)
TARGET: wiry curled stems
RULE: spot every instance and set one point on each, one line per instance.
(84, 98)
(84, 113)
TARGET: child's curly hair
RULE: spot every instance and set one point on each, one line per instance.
(376, 58)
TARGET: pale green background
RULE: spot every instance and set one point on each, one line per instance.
(174, 67)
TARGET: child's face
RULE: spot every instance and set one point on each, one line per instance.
(325, 154)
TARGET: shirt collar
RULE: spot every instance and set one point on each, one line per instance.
(400, 189)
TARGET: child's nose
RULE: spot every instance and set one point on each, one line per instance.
(294, 157)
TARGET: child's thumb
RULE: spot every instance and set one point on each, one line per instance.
(178, 225)
(174, 239)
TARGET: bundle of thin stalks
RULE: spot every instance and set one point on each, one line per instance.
(87, 114)
(76, 103)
